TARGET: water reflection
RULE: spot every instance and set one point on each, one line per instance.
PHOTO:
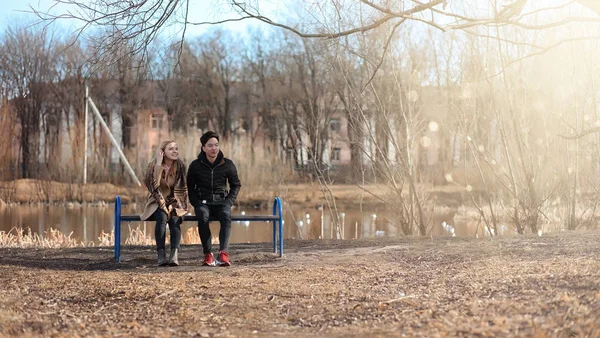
(86, 224)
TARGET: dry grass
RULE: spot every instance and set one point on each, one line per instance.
(139, 236)
(23, 238)
(35, 191)
(259, 189)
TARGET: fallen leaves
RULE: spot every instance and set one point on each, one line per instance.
(344, 288)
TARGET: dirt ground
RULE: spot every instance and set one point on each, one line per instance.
(527, 286)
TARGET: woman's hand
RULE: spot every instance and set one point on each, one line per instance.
(159, 156)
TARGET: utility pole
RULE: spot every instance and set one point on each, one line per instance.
(85, 135)
(114, 141)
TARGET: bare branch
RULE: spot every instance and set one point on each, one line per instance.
(375, 24)
(542, 51)
(204, 23)
(552, 24)
(385, 49)
(581, 134)
(546, 9)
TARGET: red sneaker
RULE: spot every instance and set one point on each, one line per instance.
(223, 258)
(209, 260)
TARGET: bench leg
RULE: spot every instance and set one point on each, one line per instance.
(280, 238)
(275, 236)
(117, 229)
(277, 211)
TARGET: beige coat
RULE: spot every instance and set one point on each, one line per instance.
(165, 190)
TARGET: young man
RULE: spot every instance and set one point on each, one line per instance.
(207, 180)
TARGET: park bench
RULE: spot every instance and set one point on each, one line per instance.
(276, 218)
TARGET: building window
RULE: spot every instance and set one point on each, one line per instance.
(335, 124)
(201, 121)
(106, 118)
(336, 155)
(157, 121)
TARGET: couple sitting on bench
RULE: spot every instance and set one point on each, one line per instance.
(204, 183)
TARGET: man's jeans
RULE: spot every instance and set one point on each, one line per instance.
(223, 214)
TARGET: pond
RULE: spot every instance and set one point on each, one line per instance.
(88, 223)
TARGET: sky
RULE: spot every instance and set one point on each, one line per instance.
(12, 11)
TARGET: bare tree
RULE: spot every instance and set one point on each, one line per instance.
(213, 66)
(179, 95)
(28, 64)
(261, 91)
(8, 135)
(388, 113)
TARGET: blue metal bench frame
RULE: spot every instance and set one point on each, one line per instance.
(276, 218)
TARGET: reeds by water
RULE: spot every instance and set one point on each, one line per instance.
(24, 238)
(19, 237)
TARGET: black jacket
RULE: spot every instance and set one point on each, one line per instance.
(208, 182)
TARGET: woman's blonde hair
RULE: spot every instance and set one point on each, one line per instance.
(163, 144)
(178, 163)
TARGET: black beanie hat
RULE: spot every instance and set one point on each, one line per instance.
(207, 136)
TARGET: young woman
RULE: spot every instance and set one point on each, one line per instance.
(168, 198)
